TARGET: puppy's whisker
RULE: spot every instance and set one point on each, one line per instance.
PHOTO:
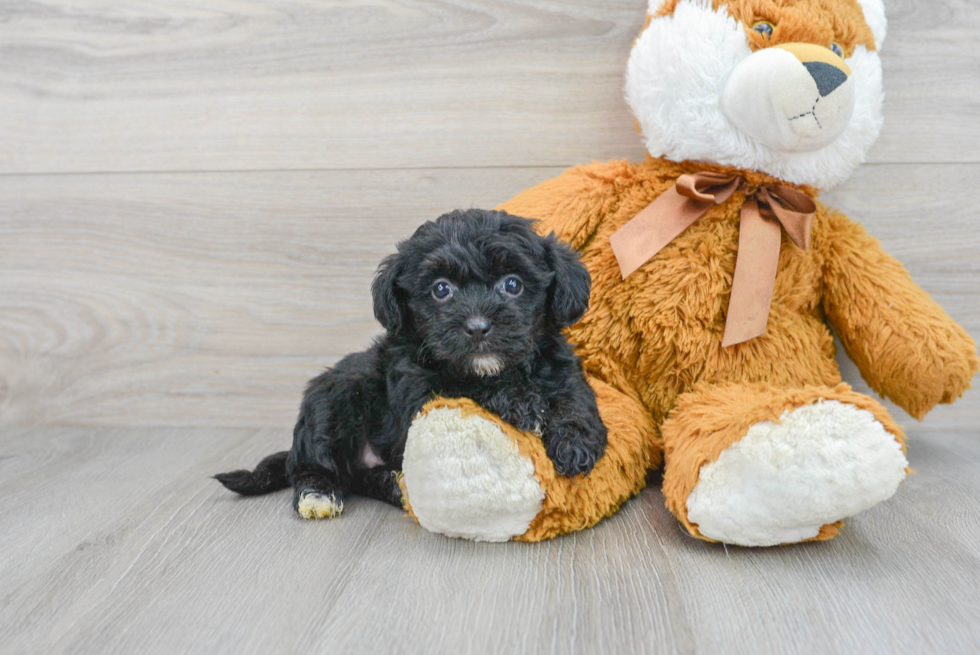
(425, 352)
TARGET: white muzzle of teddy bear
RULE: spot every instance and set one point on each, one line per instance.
(795, 97)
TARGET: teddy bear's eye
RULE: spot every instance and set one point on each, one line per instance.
(838, 50)
(764, 28)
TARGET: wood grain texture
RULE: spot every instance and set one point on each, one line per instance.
(300, 84)
(199, 299)
(122, 545)
(210, 299)
(193, 198)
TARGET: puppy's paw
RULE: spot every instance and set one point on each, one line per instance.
(571, 456)
(314, 505)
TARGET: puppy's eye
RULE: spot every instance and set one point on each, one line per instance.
(512, 285)
(443, 290)
(838, 50)
(764, 28)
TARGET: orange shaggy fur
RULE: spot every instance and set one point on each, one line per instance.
(655, 338)
(651, 344)
(817, 21)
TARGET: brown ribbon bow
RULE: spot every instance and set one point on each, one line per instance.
(770, 206)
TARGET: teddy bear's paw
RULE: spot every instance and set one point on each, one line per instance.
(782, 482)
(313, 505)
(466, 478)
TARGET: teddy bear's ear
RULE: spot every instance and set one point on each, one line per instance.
(874, 15)
(389, 306)
(568, 297)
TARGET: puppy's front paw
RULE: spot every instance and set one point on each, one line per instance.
(572, 456)
(314, 505)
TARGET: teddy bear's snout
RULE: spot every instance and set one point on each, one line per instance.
(794, 97)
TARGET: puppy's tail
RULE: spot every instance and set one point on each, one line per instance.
(268, 476)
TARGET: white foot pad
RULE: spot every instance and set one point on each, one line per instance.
(466, 478)
(319, 506)
(783, 481)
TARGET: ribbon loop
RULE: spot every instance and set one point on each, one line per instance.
(712, 188)
(766, 211)
(674, 211)
(793, 209)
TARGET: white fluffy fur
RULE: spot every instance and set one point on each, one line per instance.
(319, 506)
(821, 463)
(772, 98)
(487, 365)
(874, 15)
(466, 478)
(674, 82)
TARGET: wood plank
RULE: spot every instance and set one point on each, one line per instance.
(305, 84)
(137, 510)
(210, 299)
(834, 599)
(302, 84)
(117, 541)
(938, 36)
(946, 489)
(162, 299)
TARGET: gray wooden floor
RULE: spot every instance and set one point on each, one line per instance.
(115, 541)
(193, 197)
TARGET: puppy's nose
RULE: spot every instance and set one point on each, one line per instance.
(478, 327)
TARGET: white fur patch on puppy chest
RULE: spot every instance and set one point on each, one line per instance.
(369, 458)
(783, 481)
(487, 365)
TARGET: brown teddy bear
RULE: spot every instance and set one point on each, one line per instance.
(716, 278)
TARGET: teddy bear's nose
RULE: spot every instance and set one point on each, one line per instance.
(826, 68)
(826, 76)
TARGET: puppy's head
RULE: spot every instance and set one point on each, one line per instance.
(477, 289)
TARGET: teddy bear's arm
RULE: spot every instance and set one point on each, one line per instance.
(571, 205)
(906, 346)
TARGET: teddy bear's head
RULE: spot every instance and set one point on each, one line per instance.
(791, 88)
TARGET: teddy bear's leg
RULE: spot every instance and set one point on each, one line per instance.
(754, 466)
(463, 474)
(468, 474)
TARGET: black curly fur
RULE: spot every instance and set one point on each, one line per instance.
(358, 413)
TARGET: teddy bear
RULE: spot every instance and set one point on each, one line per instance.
(717, 277)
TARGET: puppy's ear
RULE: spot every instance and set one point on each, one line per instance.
(389, 306)
(568, 296)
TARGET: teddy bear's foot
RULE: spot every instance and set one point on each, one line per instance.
(756, 467)
(466, 477)
(782, 482)
(469, 474)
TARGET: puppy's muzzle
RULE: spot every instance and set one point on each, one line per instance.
(793, 97)
(477, 328)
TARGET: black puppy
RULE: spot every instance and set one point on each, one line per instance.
(473, 304)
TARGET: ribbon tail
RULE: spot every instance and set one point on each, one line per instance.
(755, 276)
